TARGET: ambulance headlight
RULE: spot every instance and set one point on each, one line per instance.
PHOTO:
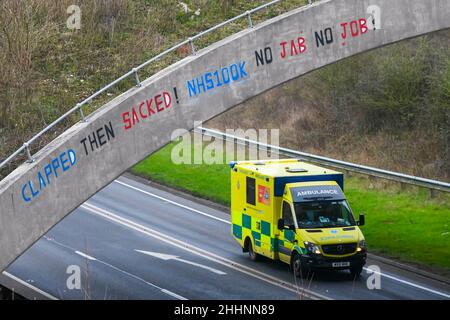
(361, 246)
(312, 248)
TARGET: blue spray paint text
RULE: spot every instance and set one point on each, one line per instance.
(217, 78)
(51, 171)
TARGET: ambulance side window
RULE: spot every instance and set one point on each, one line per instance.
(287, 214)
(251, 191)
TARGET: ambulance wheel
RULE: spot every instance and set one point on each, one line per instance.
(251, 253)
(297, 267)
(356, 271)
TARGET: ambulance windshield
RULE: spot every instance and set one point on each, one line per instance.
(323, 214)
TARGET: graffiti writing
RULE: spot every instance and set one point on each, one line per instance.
(354, 28)
(54, 169)
(98, 138)
(264, 56)
(294, 47)
(217, 78)
(146, 109)
(324, 37)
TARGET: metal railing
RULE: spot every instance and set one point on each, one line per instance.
(348, 166)
(133, 72)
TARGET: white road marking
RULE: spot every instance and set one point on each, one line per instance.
(171, 257)
(202, 253)
(158, 255)
(409, 283)
(170, 293)
(117, 269)
(26, 284)
(227, 222)
(173, 202)
(84, 255)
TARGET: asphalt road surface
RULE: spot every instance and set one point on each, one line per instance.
(132, 241)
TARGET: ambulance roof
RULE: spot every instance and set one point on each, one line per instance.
(283, 168)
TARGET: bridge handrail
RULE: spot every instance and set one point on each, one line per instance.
(134, 71)
(370, 171)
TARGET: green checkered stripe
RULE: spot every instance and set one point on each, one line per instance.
(258, 235)
(277, 245)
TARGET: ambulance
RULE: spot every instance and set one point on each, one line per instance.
(295, 212)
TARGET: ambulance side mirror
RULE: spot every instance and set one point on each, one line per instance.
(281, 224)
(362, 220)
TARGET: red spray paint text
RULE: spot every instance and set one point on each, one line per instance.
(295, 47)
(354, 28)
(146, 109)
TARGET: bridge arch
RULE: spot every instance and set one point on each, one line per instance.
(91, 154)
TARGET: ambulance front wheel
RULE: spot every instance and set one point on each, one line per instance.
(297, 267)
(251, 253)
(356, 271)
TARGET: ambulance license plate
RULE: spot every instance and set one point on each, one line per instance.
(341, 264)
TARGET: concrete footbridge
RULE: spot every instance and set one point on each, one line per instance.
(92, 153)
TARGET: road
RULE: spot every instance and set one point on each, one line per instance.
(132, 241)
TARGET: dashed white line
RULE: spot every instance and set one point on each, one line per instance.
(176, 296)
(84, 255)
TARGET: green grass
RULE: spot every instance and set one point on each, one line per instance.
(407, 225)
(206, 181)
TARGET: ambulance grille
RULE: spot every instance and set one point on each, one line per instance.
(339, 249)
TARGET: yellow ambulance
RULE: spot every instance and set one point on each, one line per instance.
(295, 212)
